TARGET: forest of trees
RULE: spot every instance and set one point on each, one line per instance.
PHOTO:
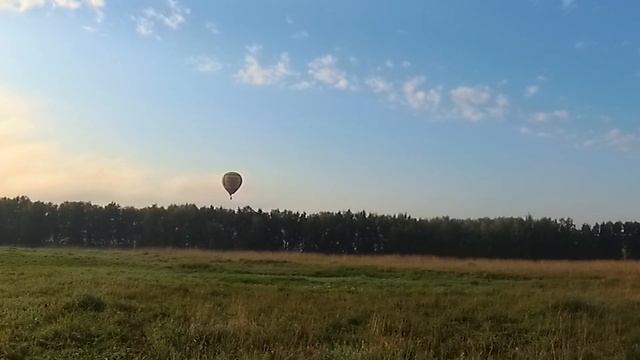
(31, 223)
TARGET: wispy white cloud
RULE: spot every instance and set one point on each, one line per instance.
(257, 74)
(476, 103)
(144, 26)
(419, 98)
(96, 3)
(212, 27)
(525, 130)
(531, 91)
(289, 20)
(551, 124)
(606, 119)
(613, 138)
(326, 71)
(547, 117)
(534, 88)
(580, 45)
(172, 17)
(21, 5)
(67, 4)
(206, 64)
(26, 5)
(302, 85)
(542, 78)
(623, 141)
(567, 4)
(379, 85)
(299, 35)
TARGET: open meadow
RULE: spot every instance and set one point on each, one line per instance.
(186, 304)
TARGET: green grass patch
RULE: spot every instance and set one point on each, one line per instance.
(160, 304)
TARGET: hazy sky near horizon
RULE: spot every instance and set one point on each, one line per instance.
(459, 108)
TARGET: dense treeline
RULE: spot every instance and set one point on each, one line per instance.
(27, 223)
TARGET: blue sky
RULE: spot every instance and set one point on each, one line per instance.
(459, 108)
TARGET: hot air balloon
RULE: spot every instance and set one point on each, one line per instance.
(231, 182)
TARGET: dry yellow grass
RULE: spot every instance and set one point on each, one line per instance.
(606, 268)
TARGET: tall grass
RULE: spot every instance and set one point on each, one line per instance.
(186, 304)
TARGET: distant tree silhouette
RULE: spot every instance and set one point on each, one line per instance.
(27, 223)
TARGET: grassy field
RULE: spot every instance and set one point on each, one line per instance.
(171, 304)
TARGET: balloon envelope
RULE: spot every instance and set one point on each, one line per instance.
(231, 182)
